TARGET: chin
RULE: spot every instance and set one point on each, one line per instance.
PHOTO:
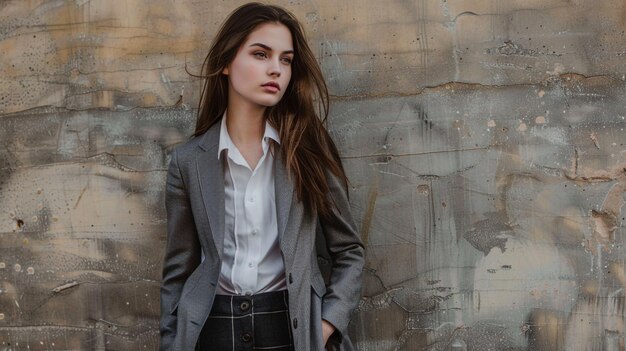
(268, 103)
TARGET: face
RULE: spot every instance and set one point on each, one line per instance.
(261, 70)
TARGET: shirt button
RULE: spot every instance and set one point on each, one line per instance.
(247, 293)
(250, 264)
(251, 199)
(254, 231)
(295, 323)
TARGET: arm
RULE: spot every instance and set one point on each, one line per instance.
(182, 252)
(347, 255)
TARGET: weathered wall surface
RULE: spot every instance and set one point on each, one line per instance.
(484, 141)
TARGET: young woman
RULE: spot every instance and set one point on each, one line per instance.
(247, 195)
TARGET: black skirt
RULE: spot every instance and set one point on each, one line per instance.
(256, 322)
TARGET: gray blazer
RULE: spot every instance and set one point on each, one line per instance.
(195, 226)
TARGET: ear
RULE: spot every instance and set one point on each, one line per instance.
(225, 71)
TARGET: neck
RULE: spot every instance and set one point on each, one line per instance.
(245, 124)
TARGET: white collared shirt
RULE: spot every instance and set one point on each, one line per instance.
(252, 262)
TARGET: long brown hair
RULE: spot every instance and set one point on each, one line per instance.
(308, 150)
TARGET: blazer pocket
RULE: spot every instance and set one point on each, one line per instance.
(318, 285)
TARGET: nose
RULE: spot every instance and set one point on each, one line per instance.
(275, 68)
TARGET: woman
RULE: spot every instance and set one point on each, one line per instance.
(247, 195)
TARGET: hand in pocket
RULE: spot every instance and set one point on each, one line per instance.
(327, 330)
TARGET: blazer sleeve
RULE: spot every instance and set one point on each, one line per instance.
(347, 255)
(182, 252)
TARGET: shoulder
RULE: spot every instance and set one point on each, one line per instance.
(188, 146)
(207, 141)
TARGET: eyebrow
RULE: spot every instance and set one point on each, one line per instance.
(270, 49)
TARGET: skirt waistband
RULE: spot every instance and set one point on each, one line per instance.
(238, 305)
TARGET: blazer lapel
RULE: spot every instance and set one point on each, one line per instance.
(211, 181)
(286, 208)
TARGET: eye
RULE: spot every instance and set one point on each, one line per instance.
(287, 60)
(260, 54)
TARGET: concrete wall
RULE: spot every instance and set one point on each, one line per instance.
(484, 141)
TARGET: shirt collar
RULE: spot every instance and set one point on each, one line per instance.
(227, 143)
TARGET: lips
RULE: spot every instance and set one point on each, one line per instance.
(273, 85)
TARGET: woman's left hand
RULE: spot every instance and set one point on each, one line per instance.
(327, 330)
